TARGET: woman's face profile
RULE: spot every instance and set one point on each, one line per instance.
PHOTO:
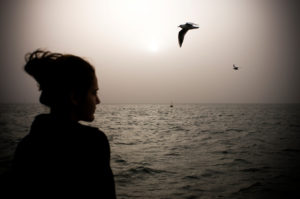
(87, 106)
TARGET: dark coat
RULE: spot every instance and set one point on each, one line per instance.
(59, 158)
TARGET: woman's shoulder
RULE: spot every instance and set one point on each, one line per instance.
(91, 129)
(94, 140)
(92, 132)
(47, 128)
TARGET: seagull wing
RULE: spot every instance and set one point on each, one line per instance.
(192, 24)
(181, 36)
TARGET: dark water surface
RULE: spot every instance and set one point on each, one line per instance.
(190, 150)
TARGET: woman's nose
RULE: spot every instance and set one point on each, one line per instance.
(98, 101)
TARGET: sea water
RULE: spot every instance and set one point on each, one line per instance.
(188, 151)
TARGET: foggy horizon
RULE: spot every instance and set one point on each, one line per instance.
(134, 47)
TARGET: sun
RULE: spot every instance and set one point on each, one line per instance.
(153, 46)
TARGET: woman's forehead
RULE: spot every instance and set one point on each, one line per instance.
(95, 82)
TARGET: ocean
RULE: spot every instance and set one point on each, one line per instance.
(188, 151)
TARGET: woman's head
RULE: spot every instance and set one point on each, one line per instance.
(66, 82)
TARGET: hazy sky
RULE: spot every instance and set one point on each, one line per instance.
(133, 45)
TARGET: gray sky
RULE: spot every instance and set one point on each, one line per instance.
(133, 45)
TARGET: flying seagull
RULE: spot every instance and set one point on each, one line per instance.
(235, 67)
(185, 27)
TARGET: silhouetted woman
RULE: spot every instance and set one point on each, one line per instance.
(60, 156)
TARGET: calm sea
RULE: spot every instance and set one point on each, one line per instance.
(188, 151)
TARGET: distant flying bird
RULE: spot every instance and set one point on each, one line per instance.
(235, 67)
(185, 28)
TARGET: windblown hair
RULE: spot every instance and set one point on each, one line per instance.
(59, 75)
